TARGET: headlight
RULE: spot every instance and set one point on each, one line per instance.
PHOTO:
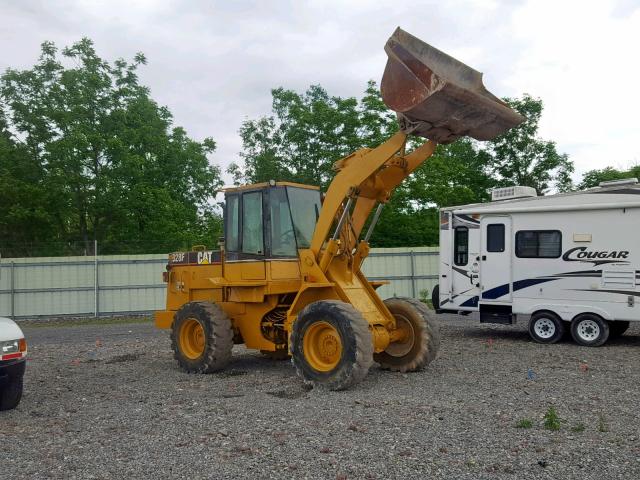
(12, 349)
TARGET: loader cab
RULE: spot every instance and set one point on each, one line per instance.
(269, 220)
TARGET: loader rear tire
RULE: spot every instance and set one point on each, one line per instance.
(422, 342)
(331, 345)
(201, 337)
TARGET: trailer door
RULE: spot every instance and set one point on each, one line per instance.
(495, 259)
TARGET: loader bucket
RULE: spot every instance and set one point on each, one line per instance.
(439, 97)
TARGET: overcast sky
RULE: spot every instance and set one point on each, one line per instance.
(213, 63)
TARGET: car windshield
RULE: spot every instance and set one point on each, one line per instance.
(305, 208)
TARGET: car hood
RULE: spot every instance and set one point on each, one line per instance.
(9, 330)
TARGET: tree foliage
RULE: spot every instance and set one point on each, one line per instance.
(520, 157)
(308, 132)
(593, 177)
(86, 154)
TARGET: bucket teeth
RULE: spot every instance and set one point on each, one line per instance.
(438, 97)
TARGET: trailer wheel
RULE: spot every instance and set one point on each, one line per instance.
(331, 345)
(422, 339)
(201, 337)
(617, 328)
(546, 327)
(589, 330)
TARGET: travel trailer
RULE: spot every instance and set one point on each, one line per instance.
(570, 262)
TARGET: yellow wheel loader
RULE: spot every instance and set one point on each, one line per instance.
(287, 279)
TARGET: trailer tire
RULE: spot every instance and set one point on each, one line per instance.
(201, 337)
(546, 327)
(589, 330)
(617, 328)
(435, 298)
(424, 342)
(567, 330)
(331, 345)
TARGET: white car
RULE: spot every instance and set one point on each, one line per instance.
(13, 354)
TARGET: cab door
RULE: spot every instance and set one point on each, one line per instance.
(495, 259)
(244, 236)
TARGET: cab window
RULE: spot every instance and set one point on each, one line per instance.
(305, 208)
(252, 236)
(231, 241)
(283, 238)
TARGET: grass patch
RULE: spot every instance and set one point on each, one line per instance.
(602, 426)
(579, 428)
(551, 419)
(425, 297)
(74, 322)
(524, 423)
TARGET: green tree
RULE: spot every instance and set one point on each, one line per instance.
(520, 157)
(114, 167)
(308, 132)
(593, 177)
(25, 214)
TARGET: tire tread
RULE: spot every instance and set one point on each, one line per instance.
(219, 343)
(430, 341)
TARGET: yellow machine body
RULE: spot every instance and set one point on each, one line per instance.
(327, 268)
(287, 247)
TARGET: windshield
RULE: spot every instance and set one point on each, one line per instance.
(305, 209)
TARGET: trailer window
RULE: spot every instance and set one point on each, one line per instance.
(461, 246)
(538, 244)
(232, 220)
(495, 237)
(252, 238)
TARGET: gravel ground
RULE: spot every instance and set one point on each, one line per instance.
(109, 401)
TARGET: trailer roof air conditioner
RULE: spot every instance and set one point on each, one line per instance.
(508, 193)
(617, 183)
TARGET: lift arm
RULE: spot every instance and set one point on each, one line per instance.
(367, 176)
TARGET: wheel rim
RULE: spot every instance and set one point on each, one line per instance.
(402, 347)
(322, 346)
(588, 330)
(191, 339)
(544, 328)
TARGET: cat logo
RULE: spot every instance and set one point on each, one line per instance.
(204, 258)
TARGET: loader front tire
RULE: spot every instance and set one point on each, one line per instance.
(201, 337)
(422, 337)
(331, 345)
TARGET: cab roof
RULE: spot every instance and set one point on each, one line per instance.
(257, 186)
